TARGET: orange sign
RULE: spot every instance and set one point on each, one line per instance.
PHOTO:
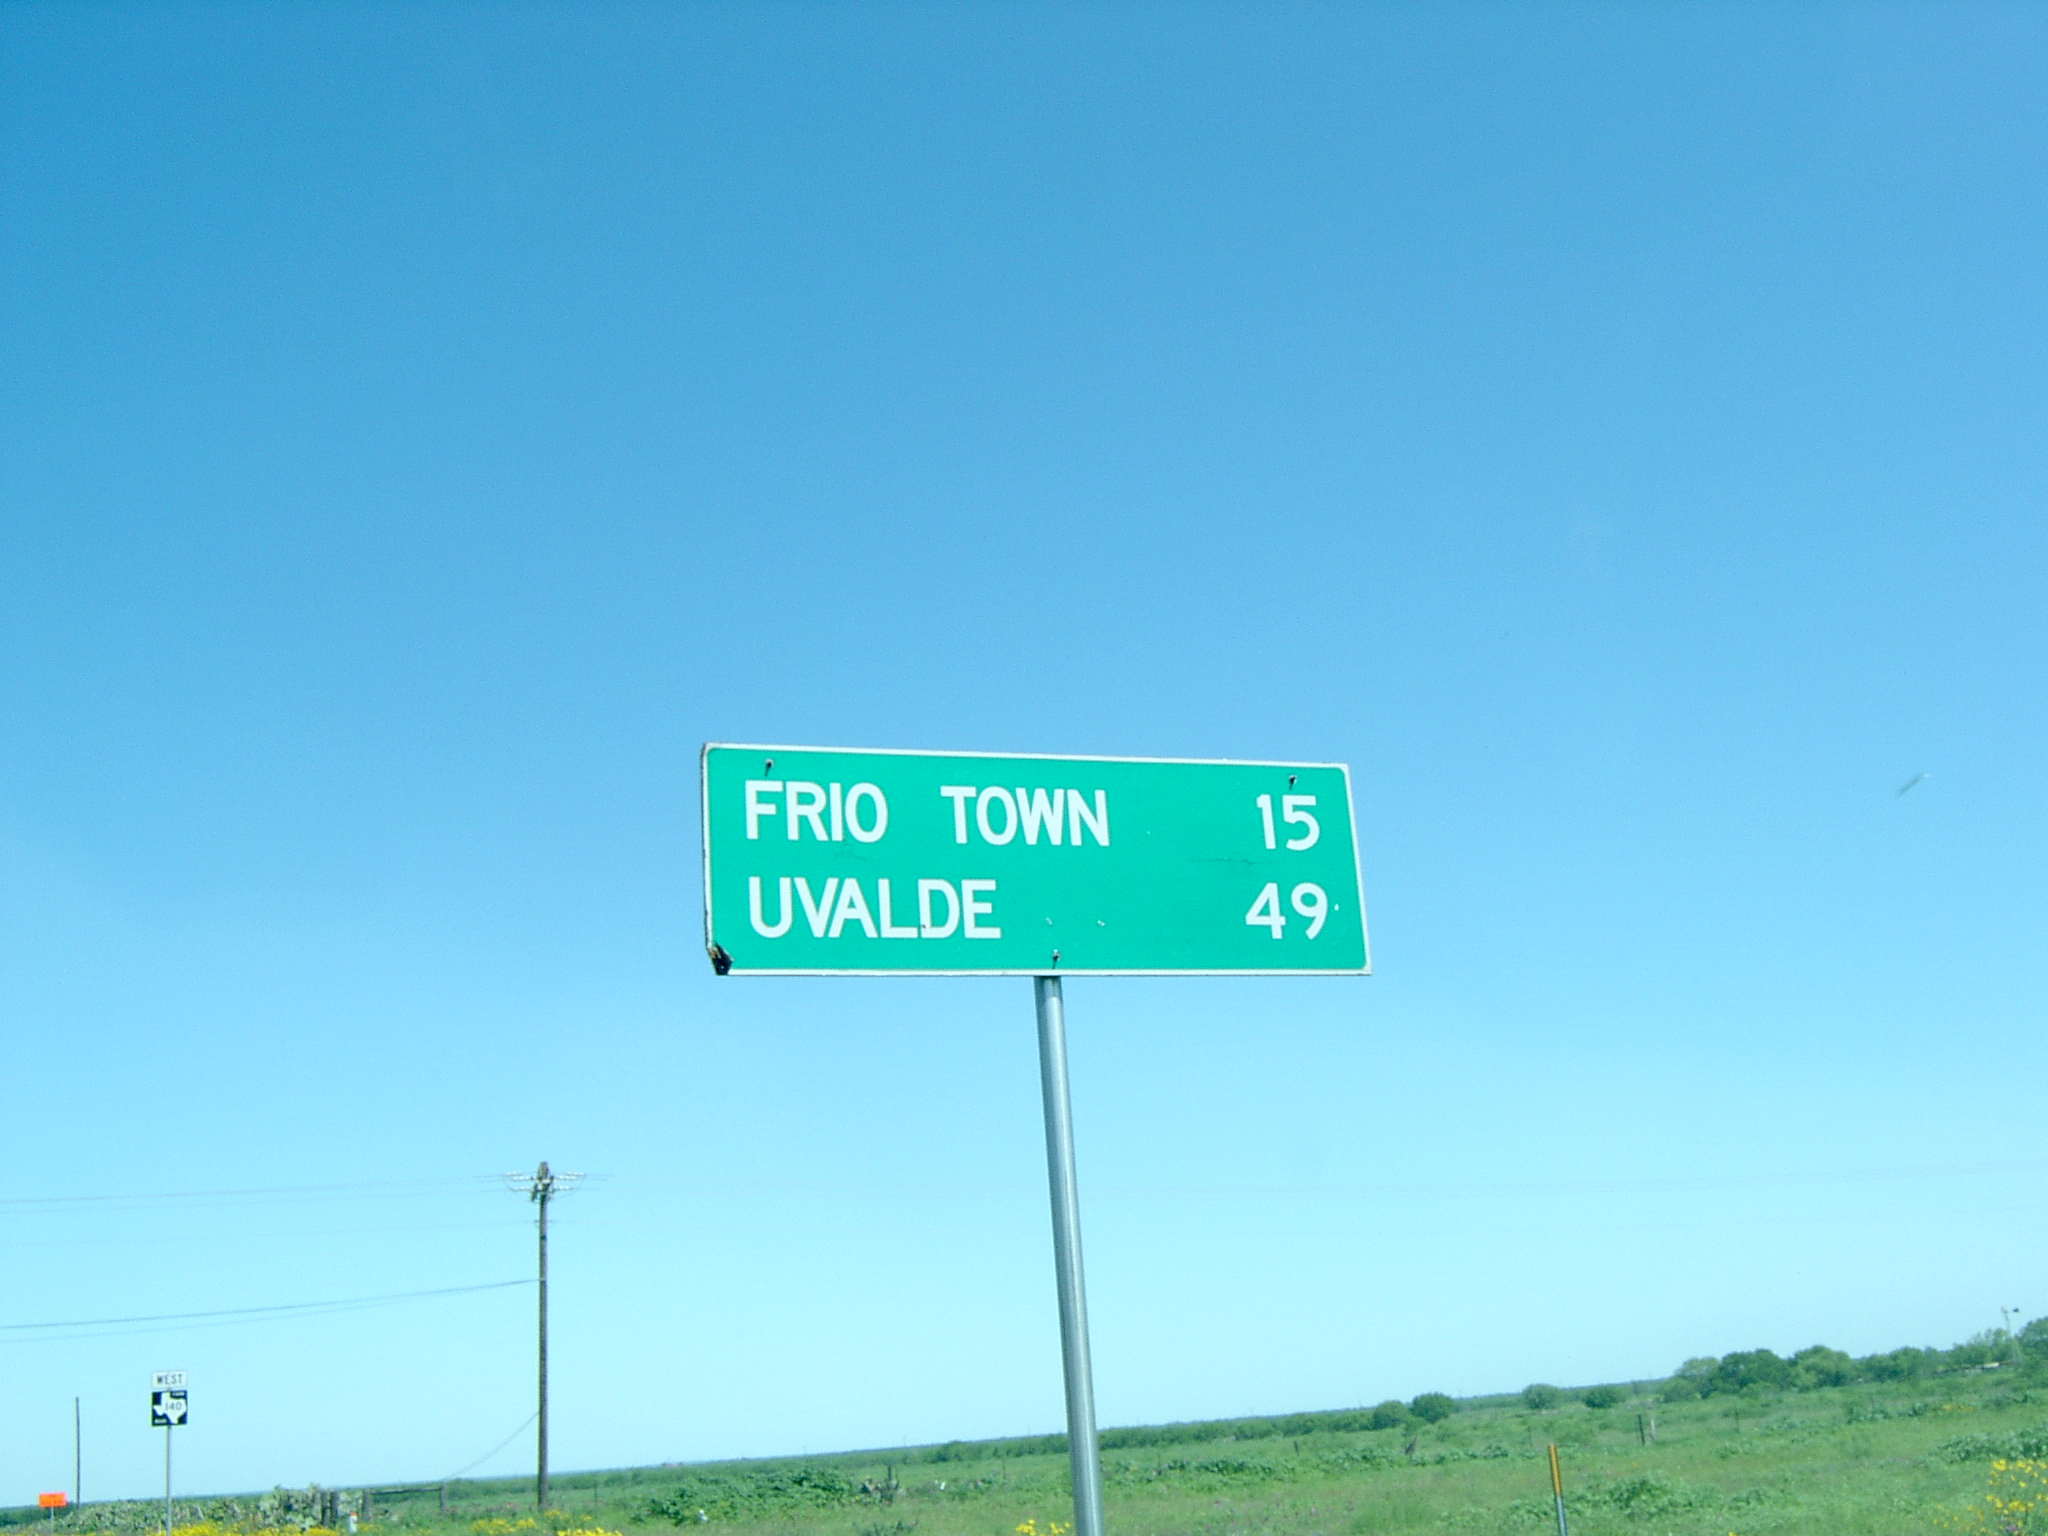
(52, 1500)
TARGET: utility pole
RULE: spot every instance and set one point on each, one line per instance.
(77, 1458)
(541, 1186)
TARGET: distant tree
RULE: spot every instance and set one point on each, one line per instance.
(2033, 1338)
(1540, 1395)
(1978, 1349)
(1898, 1365)
(1699, 1369)
(1748, 1368)
(1434, 1407)
(1391, 1414)
(1679, 1389)
(1819, 1366)
(1605, 1397)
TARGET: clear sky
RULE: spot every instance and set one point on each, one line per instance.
(1617, 432)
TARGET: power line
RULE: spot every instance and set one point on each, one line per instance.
(487, 1455)
(156, 1240)
(260, 1314)
(1651, 1183)
(383, 1186)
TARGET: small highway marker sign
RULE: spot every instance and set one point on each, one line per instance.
(167, 1381)
(850, 862)
(168, 1409)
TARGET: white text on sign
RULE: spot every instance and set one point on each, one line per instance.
(831, 811)
(842, 903)
(1295, 811)
(1000, 815)
(1309, 900)
(1055, 817)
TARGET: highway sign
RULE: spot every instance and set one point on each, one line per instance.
(53, 1501)
(167, 1410)
(167, 1381)
(853, 862)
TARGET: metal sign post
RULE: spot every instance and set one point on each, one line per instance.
(1084, 1451)
(1557, 1492)
(169, 1407)
(822, 861)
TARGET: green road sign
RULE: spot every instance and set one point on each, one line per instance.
(834, 862)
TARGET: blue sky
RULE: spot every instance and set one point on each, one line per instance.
(1617, 432)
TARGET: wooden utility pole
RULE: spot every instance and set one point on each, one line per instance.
(543, 1191)
(541, 1186)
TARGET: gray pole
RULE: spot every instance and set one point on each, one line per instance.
(544, 1187)
(77, 1458)
(167, 1480)
(1082, 1448)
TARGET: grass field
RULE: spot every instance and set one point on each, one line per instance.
(1888, 1458)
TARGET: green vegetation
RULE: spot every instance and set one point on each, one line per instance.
(1818, 1444)
(1433, 1407)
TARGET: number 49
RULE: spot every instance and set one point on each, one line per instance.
(1308, 900)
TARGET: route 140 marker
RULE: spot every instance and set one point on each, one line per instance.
(826, 861)
(169, 1409)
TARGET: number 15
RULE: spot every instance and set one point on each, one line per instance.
(1293, 811)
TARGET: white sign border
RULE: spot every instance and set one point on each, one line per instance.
(704, 833)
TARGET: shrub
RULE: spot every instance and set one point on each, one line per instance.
(1679, 1389)
(758, 1491)
(1648, 1494)
(1541, 1395)
(1605, 1397)
(1434, 1407)
(1391, 1414)
(2014, 1445)
(1749, 1368)
(1820, 1366)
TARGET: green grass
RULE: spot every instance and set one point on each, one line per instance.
(1892, 1459)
